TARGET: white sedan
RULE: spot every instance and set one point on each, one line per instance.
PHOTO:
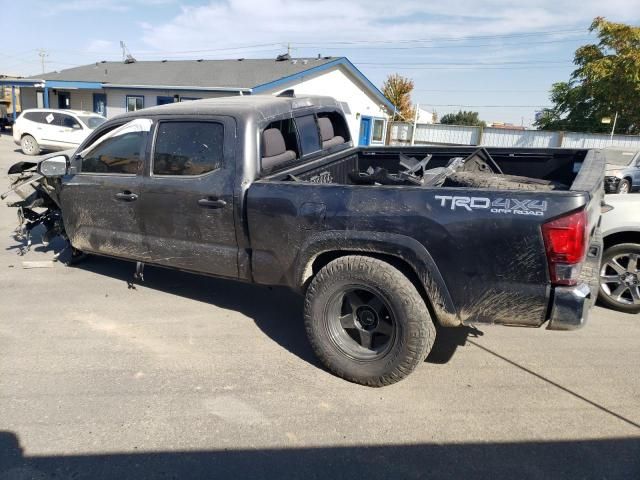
(40, 129)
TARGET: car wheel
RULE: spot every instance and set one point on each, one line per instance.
(29, 145)
(366, 321)
(624, 186)
(620, 278)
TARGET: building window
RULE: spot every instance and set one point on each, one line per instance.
(378, 131)
(135, 102)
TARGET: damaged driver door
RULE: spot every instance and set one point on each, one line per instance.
(100, 201)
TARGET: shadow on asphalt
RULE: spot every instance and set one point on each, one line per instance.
(616, 458)
(277, 311)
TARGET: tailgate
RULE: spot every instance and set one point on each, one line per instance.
(570, 305)
(590, 179)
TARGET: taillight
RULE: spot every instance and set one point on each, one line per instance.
(565, 240)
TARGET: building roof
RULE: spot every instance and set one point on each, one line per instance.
(249, 75)
(187, 73)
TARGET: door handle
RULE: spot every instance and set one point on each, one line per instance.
(126, 196)
(211, 203)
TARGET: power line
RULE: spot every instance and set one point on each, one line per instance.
(404, 64)
(477, 91)
(460, 105)
(469, 67)
(454, 39)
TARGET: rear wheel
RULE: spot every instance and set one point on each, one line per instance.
(29, 145)
(624, 186)
(366, 321)
(620, 278)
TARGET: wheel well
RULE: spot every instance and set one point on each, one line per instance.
(325, 258)
(621, 237)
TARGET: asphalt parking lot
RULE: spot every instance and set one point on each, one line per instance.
(188, 376)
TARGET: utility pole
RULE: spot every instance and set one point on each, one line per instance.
(42, 54)
(289, 49)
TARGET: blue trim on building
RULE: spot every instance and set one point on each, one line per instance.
(320, 68)
(45, 97)
(20, 83)
(62, 84)
(13, 101)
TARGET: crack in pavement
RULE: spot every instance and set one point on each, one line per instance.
(557, 385)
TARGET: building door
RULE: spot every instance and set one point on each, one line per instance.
(163, 100)
(100, 103)
(365, 131)
(64, 100)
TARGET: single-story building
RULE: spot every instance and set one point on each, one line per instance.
(112, 88)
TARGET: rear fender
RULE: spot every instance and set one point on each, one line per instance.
(405, 249)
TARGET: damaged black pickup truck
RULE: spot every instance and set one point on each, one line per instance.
(383, 242)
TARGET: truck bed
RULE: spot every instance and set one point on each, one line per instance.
(559, 166)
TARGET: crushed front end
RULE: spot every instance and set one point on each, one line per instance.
(38, 204)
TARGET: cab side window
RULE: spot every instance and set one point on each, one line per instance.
(188, 148)
(119, 150)
(119, 154)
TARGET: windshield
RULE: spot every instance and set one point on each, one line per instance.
(93, 121)
(619, 157)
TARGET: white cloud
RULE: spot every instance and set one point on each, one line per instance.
(246, 22)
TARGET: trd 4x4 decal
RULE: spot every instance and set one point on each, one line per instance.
(512, 206)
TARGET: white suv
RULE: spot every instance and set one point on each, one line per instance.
(40, 129)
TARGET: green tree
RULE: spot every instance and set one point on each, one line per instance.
(463, 118)
(606, 81)
(398, 90)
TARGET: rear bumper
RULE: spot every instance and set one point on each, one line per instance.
(570, 308)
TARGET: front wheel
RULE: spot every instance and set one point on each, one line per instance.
(29, 145)
(624, 186)
(366, 321)
(620, 278)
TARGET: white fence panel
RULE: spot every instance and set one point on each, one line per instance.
(501, 137)
(599, 140)
(454, 134)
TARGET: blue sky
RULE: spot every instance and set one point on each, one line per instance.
(496, 57)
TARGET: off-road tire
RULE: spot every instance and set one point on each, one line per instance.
(414, 330)
(501, 182)
(29, 145)
(608, 254)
